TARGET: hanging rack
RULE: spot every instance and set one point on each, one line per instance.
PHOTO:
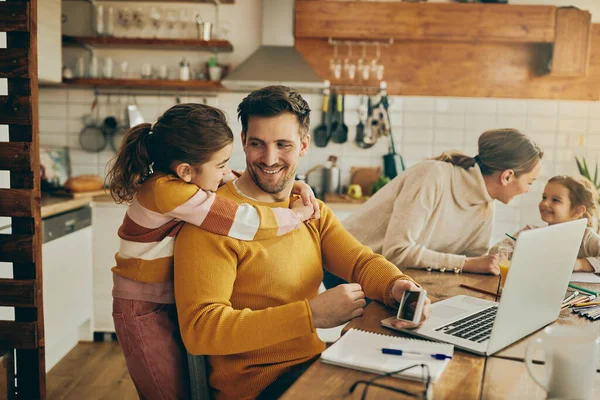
(365, 89)
(350, 42)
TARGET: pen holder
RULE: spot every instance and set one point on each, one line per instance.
(571, 355)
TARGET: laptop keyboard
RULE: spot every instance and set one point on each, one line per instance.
(476, 327)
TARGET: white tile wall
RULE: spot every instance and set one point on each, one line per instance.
(422, 127)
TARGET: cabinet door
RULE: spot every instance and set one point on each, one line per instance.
(67, 266)
(49, 41)
(107, 220)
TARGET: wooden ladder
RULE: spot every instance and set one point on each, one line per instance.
(21, 201)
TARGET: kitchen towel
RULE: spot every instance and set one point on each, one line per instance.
(361, 350)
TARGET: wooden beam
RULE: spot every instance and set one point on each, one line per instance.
(18, 335)
(13, 63)
(15, 156)
(14, 16)
(16, 203)
(15, 110)
(571, 54)
(17, 293)
(17, 248)
(475, 23)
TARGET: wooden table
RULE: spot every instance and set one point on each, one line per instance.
(467, 376)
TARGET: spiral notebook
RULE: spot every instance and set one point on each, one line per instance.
(361, 350)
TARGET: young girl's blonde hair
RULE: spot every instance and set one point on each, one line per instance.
(582, 192)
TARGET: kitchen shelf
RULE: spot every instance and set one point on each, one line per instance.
(144, 84)
(222, 46)
(175, 1)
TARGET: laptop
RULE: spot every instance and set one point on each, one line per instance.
(537, 280)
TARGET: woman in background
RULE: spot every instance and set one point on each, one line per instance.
(439, 213)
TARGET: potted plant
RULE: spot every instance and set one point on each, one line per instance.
(585, 172)
(214, 69)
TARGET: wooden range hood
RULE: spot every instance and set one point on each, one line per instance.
(453, 49)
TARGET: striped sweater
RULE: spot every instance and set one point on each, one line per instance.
(157, 213)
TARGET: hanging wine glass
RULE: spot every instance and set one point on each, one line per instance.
(155, 19)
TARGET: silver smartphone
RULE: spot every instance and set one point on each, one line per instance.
(411, 306)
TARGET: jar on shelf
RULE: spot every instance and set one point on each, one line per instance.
(184, 70)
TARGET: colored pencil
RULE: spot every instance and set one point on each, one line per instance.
(512, 237)
(583, 289)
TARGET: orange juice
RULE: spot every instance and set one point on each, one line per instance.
(504, 266)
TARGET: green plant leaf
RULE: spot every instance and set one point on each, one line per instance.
(596, 175)
(579, 166)
(585, 168)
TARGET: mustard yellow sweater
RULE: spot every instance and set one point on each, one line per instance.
(245, 304)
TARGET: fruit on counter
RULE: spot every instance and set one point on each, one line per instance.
(84, 183)
(379, 183)
(355, 191)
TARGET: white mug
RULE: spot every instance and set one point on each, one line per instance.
(571, 355)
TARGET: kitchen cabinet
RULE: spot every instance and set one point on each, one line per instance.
(107, 219)
(67, 277)
(67, 289)
(49, 41)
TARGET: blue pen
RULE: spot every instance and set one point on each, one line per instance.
(397, 352)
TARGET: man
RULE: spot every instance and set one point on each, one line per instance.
(254, 307)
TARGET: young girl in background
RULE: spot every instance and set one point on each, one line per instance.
(168, 173)
(568, 198)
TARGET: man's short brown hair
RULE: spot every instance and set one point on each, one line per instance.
(272, 101)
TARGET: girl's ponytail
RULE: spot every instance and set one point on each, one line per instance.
(131, 163)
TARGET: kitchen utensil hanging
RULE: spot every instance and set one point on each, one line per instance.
(340, 134)
(393, 163)
(322, 132)
(91, 137)
(363, 113)
(122, 126)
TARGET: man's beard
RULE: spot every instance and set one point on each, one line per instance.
(271, 188)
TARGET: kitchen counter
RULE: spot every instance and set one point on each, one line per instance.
(52, 205)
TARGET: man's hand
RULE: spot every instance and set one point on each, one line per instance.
(482, 265)
(401, 286)
(337, 306)
(308, 197)
(303, 212)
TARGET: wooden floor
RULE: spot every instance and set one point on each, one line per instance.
(91, 371)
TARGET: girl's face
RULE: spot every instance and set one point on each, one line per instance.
(555, 206)
(208, 176)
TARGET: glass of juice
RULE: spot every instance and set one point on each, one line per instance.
(504, 257)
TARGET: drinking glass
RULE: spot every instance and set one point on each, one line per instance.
(504, 259)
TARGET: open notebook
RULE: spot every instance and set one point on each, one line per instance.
(362, 350)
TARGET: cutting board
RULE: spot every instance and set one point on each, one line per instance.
(343, 198)
(365, 177)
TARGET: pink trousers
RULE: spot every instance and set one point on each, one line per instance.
(156, 358)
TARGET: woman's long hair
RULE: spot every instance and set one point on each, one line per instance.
(186, 133)
(499, 150)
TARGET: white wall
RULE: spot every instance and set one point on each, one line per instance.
(422, 127)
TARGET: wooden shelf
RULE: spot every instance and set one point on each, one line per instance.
(221, 46)
(145, 84)
(176, 1)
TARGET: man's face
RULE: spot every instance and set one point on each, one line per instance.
(273, 147)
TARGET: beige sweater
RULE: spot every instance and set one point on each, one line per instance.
(432, 215)
(589, 249)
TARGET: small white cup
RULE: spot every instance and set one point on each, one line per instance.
(571, 355)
